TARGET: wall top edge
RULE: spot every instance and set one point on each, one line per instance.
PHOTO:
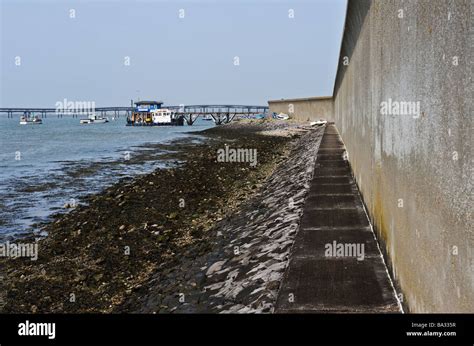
(320, 98)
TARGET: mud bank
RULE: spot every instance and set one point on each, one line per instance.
(202, 236)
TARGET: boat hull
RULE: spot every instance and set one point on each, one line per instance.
(30, 122)
(174, 122)
(100, 121)
(153, 124)
(93, 121)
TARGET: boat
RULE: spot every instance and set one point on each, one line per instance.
(282, 116)
(30, 120)
(207, 117)
(319, 122)
(150, 113)
(161, 116)
(94, 119)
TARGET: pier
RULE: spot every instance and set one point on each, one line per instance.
(221, 114)
(44, 112)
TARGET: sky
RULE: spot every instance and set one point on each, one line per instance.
(180, 52)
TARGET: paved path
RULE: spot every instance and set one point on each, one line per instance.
(349, 280)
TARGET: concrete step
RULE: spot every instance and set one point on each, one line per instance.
(335, 189)
(335, 171)
(331, 201)
(331, 151)
(332, 180)
(333, 218)
(333, 163)
(318, 285)
(329, 157)
(311, 243)
(335, 263)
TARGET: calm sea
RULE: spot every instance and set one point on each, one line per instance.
(43, 167)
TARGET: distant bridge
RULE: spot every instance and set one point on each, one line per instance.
(44, 112)
(220, 113)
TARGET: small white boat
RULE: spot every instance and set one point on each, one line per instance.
(207, 117)
(94, 119)
(30, 120)
(319, 122)
(282, 116)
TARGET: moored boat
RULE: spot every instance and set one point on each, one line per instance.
(30, 120)
(150, 113)
(282, 116)
(94, 119)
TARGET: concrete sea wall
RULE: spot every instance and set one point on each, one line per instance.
(305, 109)
(403, 106)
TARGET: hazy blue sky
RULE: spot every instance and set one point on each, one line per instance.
(186, 60)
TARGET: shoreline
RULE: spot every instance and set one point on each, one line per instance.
(107, 256)
(38, 186)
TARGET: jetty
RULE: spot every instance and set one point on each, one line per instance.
(220, 113)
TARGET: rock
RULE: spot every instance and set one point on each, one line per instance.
(273, 285)
(215, 267)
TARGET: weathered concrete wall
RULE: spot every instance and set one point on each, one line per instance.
(305, 109)
(414, 170)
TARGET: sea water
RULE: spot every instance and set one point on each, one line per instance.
(44, 167)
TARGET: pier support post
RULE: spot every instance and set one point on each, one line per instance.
(189, 119)
(217, 118)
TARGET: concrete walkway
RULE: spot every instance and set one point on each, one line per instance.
(334, 219)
